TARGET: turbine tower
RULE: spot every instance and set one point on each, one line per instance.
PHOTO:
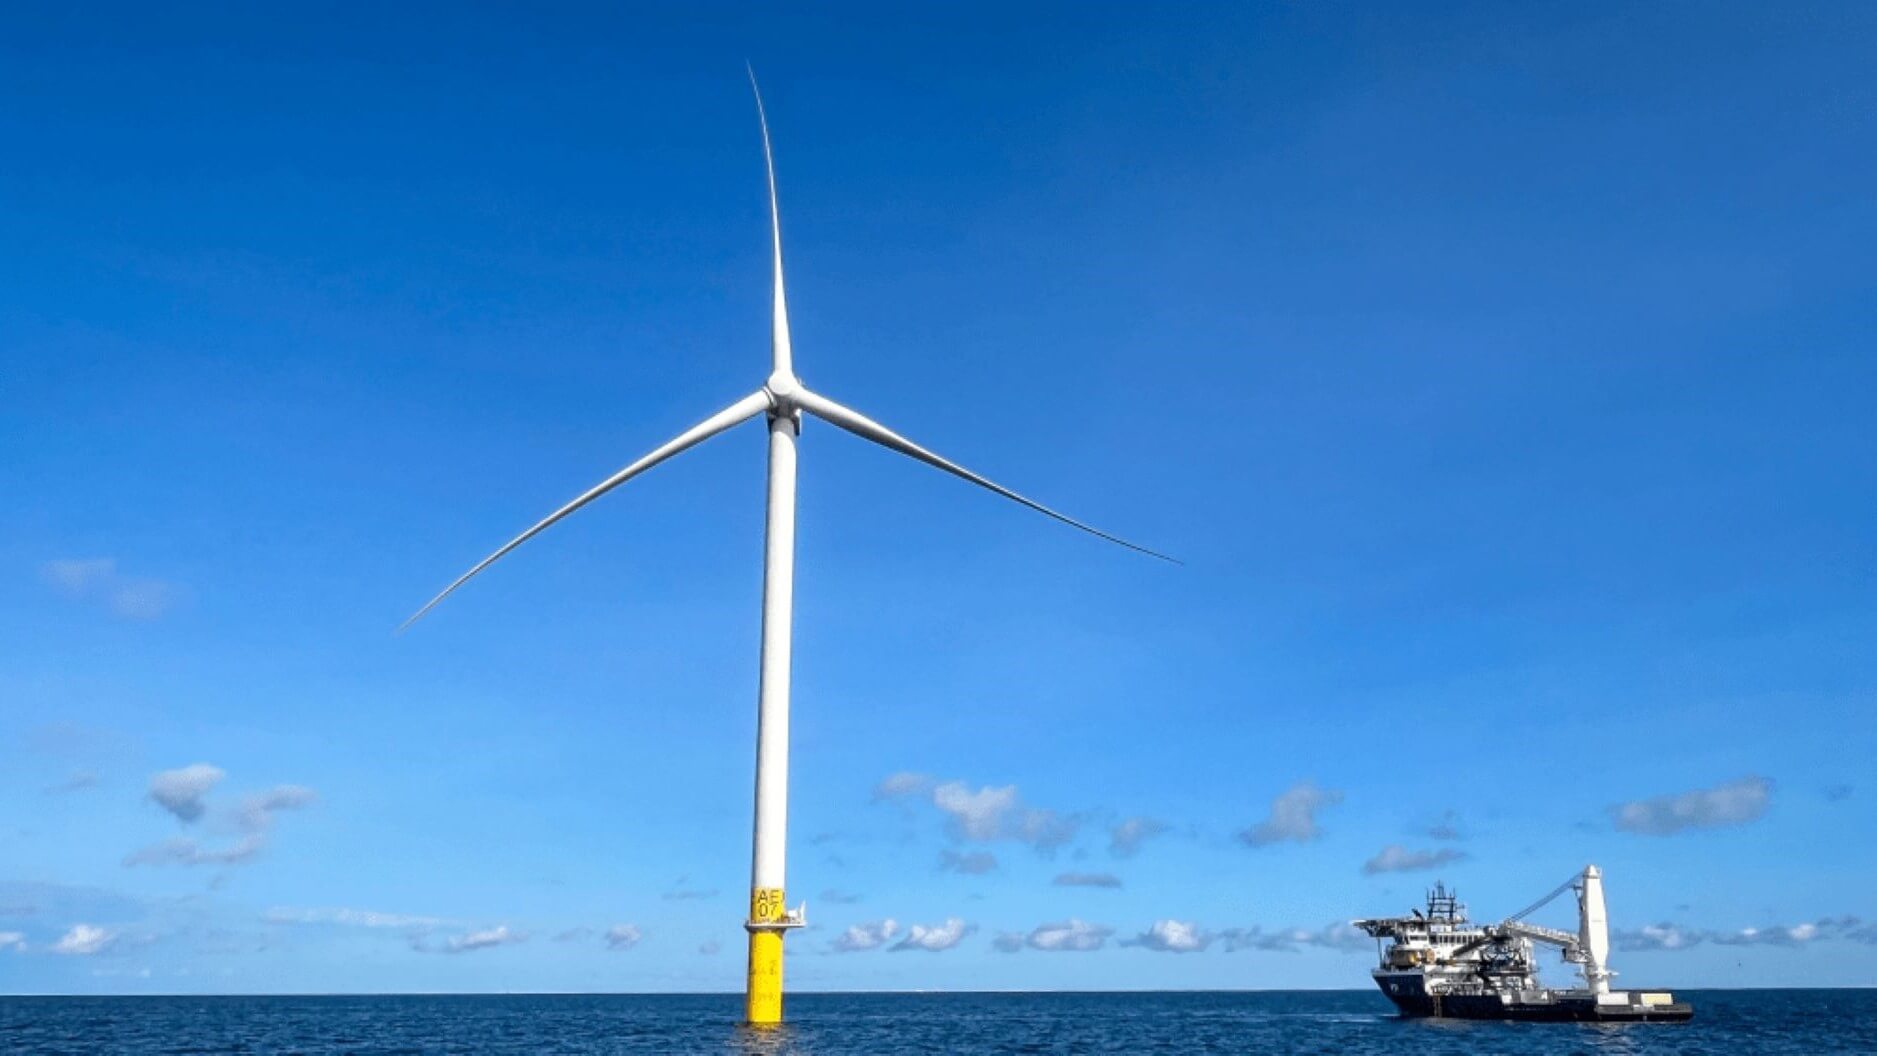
(782, 398)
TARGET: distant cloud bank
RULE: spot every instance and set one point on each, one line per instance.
(879, 934)
(936, 937)
(867, 936)
(1069, 936)
(1171, 936)
(1656, 937)
(488, 938)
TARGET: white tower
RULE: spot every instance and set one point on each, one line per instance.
(1593, 931)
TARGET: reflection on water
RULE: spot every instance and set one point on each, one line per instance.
(1351, 1023)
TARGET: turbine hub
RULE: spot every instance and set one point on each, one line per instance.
(782, 388)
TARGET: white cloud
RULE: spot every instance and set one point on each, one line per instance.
(358, 918)
(975, 815)
(972, 863)
(1447, 827)
(1343, 936)
(257, 811)
(182, 791)
(485, 939)
(1734, 803)
(1395, 858)
(12, 940)
(1777, 935)
(984, 814)
(1087, 880)
(77, 782)
(1293, 815)
(903, 783)
(1257, 937)
(622, 937)
(1044, 830)
(84, 940)
(936, 937)
(681, 893)
(77, 576)
(1126, 837)
(142, 599)
(1338, 936)
(97, 578)
(1071, 935)
(1656, 937)
(1172, 936)
(182, 850)
(866, 936)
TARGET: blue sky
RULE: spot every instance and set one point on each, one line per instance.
(1503, 378)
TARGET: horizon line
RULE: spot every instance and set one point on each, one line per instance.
(838, 993)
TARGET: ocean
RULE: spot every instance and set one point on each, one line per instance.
(1347, 1023)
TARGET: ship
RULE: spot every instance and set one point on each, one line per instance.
(1439, 964)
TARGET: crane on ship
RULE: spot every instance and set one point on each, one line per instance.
(1588, 947)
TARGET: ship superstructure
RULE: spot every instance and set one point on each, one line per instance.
(1438, 963)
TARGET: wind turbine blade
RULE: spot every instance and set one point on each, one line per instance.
(741, 411)
(862, 426)
(780, 358)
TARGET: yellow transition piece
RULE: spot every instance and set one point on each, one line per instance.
(763, 1003)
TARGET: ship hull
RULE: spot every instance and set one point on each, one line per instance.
(1409, 995)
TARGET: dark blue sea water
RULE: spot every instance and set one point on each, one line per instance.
(1349, 1023)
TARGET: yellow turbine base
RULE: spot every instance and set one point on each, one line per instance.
(763, 1005)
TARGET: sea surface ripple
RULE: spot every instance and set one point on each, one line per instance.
(1346, 1023)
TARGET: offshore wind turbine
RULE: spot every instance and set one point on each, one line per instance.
(783, 399)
